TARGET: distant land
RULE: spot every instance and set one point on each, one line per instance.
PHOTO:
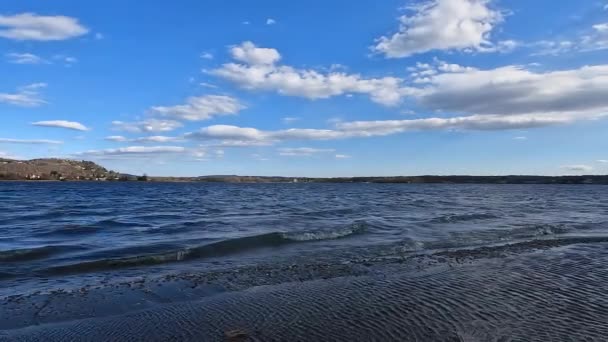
(52, 169)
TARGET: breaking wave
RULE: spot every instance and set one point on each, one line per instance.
(216, 249)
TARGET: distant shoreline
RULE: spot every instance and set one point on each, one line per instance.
(55, 170)
(583, 180)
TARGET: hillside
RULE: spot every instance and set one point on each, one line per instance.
(54, 169)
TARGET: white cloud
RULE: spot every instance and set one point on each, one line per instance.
(248, 53)
(206, 55)
(25, 58)
(149, 125)
(245, 22)
(26, 96)
(520, 138)
(577, 168)
(302, 151)
(202, 108)
(260, 72)
(62, 124)
(116, 138)
(29, 141)
(465, 98)
(603, 161)
(270, 21)
(442, 25)
(342, 156)
(515, 90)
(30, 26)
(473, 122)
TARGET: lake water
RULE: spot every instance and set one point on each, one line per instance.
(72, 234)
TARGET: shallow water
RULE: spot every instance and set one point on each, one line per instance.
(54, 235)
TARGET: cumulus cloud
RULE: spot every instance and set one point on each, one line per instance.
(248, 53)
(302, 151)
(29, 141)
(25, 58)
(443, 25)
(62, 124)
(515, 90)
(270, 21)
(577, 168)
(259, 71)
(465, 98)
(201, 108)
(31, 26)
(149, 125)
(26, 96)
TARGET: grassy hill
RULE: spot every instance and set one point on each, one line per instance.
(54, 169)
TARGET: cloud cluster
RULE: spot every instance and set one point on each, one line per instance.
(510, 97)
(26, 96)
(30, 26)
(77, 126)
(259, 71)
(594, 39)
(443, 25)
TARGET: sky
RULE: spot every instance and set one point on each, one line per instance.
(308, 88)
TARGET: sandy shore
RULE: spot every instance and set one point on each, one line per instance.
(555, 293)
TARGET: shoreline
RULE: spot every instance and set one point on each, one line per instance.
(438, 301)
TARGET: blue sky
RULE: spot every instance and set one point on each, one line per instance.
(315, 88)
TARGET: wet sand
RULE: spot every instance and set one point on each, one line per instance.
(540, 291)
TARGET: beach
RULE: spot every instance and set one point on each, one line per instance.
(513, 293)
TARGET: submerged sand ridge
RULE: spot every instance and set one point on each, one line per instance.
(555, 292)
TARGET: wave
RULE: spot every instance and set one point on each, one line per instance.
(27, 254)
(455, 218)
(356, 228)
(216, 249)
